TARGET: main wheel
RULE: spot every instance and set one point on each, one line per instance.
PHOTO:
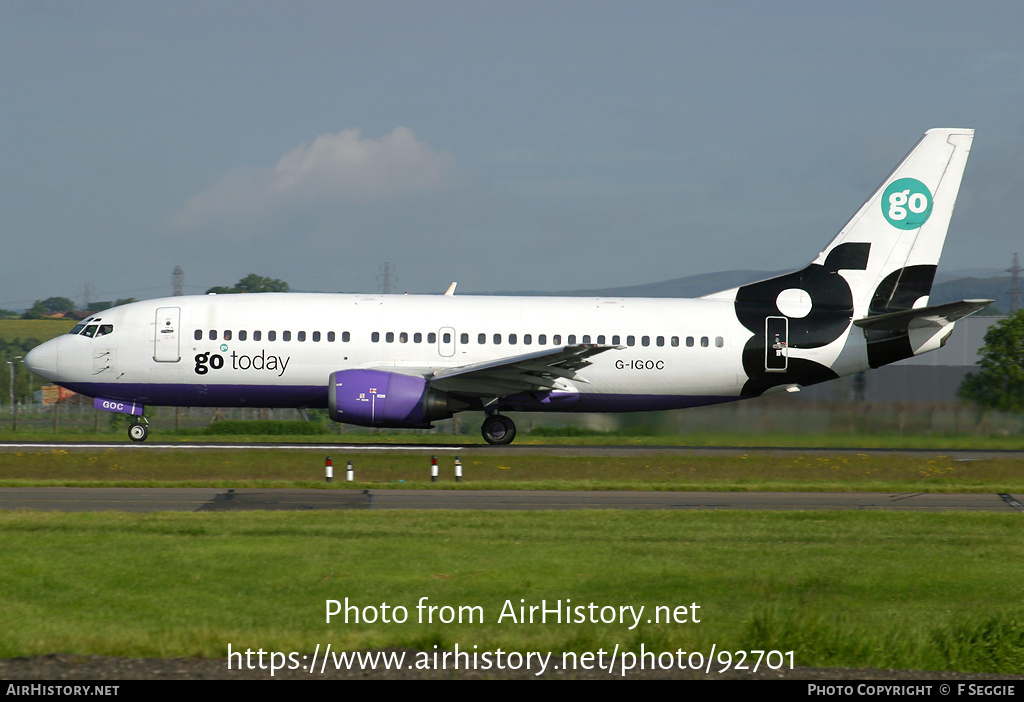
(498, 429)
(138, 432)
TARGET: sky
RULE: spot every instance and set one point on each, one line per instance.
(507, 146)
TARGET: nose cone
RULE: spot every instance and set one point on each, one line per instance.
(42, 360)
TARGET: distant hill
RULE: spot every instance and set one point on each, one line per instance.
(996, 288)
(689, 286)
(949, 287)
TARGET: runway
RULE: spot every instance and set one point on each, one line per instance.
(511, 449)
(66, 499)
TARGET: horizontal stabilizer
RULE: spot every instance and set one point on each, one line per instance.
(936, 315)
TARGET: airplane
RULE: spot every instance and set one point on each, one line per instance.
(409, 360)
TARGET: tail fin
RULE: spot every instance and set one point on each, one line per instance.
(901, 228)
(882, 262)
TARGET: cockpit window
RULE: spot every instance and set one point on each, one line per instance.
(91, 330)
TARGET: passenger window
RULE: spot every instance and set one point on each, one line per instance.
(689, 341)
(389, 337)
(660, 341)
(316, 337)
(719, 342)
(556, 339)
(481, 338)
(198, 335)
(645, 341)
(527, 339)
(286, 336)
(213, 335)
(586, 338)
(301, 336)
(512, 338)
(675, 341)
(630, 340)
(431, 338)
(417, 338)
(446, 338)
(497, 339)
(345, 336)
(375, 337)
(257, 335)
(403, 337)
(600, 338)
(243, 335)
(227, 335)
(331, 336)
(542, 339)
(616, 340)
(463, 338)
(271, 336)
(571, 340)
(704, 341)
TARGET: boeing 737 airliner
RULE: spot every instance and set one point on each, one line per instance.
(408, 360)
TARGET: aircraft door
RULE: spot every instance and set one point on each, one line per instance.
(776, 344)
(446, 341)
(166, 336)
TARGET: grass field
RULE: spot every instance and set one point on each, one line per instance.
(491, 469)
(41, 329)
(839, 589)
(850, 589)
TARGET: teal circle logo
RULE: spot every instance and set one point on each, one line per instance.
(907, 203)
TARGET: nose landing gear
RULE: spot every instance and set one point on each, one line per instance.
(139, 429)
(498, 429)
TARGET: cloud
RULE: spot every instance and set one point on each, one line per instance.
(343, 168)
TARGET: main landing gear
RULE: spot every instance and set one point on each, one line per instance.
(139, 429)
(498, 429)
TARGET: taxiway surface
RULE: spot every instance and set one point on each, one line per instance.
(68, 499)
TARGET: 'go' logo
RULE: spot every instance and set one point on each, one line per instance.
(907, 203)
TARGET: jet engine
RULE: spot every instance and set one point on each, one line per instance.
(375, 398)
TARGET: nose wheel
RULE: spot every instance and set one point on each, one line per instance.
(138, 431)
(498, 429)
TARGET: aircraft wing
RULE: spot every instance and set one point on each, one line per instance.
(935, 316)
(539, 370)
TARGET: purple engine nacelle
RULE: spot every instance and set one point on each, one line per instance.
(374, 398)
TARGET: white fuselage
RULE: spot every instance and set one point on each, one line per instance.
(279, 349)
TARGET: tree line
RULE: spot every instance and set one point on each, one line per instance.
(998, 383)
(51, 306)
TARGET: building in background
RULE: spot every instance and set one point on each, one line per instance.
(930, 377)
